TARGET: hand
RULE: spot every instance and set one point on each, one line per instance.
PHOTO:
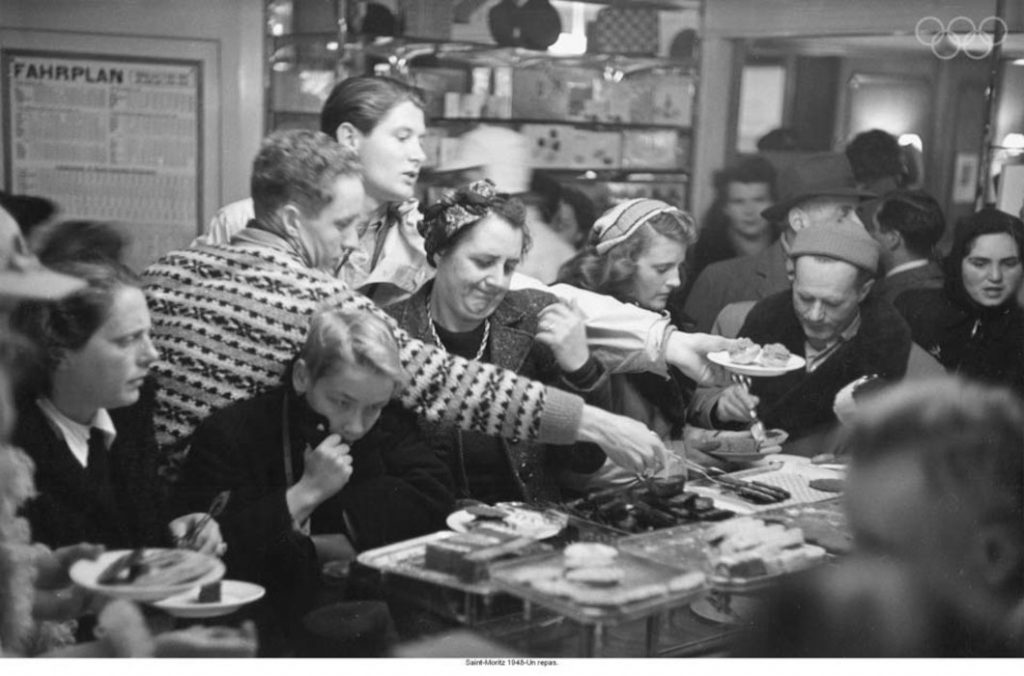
(328, 467)
(688, 352)
(735, 405)
(627, 442)
(61, 605)
(562, 328)
(52, 566)
(206, 541)
(200, 641)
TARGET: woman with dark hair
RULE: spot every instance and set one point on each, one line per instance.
(634, 255)
(975, 326)
(733, 225)
(476, 237)
(84, 417)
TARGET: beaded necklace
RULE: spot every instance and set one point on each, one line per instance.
(437, 338)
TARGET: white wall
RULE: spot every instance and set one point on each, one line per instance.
(236, 27)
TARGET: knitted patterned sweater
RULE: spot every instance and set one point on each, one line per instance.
(227, 319)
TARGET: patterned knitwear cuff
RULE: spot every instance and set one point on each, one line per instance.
(560, 422)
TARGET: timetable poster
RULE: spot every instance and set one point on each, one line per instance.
(107, 138)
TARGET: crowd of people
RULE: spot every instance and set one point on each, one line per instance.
(350, 363)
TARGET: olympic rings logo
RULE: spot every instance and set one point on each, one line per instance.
(961, 35)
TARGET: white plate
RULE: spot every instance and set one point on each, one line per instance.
(85, 573)
(519, 522)
(722, 359)
(773, 445)
(233, 594)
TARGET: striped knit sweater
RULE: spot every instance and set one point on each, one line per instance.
(227, 319)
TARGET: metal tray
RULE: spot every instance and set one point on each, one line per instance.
(407, 558)
(608, 604)
(684, 546)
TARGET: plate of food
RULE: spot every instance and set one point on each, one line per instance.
(211, 600)
(146, 574)
(748, 358)
(508, 517)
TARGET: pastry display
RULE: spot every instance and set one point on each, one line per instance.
(467, 555)
(748, 548)
(744, 351)
(774, 355)
(595, 574)
(157, 568)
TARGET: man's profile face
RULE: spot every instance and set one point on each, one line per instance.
(826, 298)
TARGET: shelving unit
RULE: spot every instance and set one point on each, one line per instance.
(622, 121)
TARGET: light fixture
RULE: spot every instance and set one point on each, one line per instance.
(1013, 141)
(332, 46)
(912, 140)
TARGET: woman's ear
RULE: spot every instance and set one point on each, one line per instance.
(301, 381)
(1002, 554)
(348, 136)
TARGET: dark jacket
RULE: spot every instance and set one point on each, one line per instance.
(398, 488)
(69, 509)
(981, 343)
(532, 467)
(730, 281)
(925, 277)
(801, 402)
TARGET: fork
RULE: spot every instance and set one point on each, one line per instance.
(216, 507)
(756, 426)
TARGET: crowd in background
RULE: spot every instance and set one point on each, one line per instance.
(352, 361)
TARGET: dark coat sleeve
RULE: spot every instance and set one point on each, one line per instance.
(400, 488)
(234, 450)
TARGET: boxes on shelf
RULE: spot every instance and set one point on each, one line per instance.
(651, 149)
(560, 146)
(624, 30)
(663, 98)
(549, 92)
(431, 20)
(435, 83)
(671, 189)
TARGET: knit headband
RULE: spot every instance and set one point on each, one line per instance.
(621, 221)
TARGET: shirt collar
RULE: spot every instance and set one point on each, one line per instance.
(816, 358)
(910, 265)
(75, 434)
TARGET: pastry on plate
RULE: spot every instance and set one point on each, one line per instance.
(774, 355)
(744, 351)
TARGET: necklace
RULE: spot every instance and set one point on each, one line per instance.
(440, 345)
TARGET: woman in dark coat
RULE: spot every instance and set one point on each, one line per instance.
(975, 326)
(476, 237)
(85, 418)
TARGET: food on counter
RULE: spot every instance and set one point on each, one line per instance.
(487, 512)
(467, 555)
(744, 351)
(774, 355)
(596, 576)
(157, 568)
(749, 548)
(606, 582)
(589, 554)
